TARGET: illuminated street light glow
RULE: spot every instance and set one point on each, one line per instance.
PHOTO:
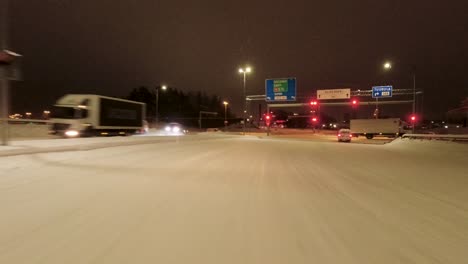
(225, 103)
(387, 65)
(164, 87)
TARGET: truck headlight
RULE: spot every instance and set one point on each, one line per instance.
(168, 129)
(175, 129)
(71, 133)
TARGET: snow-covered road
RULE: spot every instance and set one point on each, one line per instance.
(237, 200)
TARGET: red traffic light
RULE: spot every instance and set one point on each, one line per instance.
(267, 120)
(313, 103)
(354, 102)
(314, 119)
(413, 118)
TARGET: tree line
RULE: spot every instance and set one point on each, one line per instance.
(181, 107)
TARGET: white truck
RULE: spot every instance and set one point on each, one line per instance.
(76, 115)
(389, 127)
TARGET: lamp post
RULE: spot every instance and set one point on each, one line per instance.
(225, 115)
(245, 71)
(163, 87)
(387, 66)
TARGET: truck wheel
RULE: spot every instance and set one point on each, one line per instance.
(369, 136)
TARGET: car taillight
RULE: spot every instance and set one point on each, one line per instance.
(339, 135)
(350, 135)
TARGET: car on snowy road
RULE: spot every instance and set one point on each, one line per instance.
(344, 135)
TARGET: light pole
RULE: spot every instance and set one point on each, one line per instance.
(225, 115)
(387, 66)
(163, 87)
(244, 71)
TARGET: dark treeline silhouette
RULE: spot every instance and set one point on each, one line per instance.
(180, 107)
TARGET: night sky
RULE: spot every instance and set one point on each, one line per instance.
(109, 47)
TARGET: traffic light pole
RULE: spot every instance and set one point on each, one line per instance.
(414, 97)
(268, 125)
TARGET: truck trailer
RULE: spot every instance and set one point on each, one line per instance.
(389, 127)
(76, 115)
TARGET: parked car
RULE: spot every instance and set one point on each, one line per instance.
(344, 135)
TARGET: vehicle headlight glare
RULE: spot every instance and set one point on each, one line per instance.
(71, 133)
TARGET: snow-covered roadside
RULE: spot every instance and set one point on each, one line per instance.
(427, 146)
(24, 147)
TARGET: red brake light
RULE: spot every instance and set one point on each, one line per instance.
(339, 135)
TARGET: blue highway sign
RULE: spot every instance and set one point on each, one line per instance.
(280, 90)
(382, 91)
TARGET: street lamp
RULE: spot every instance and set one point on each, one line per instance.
(387, 65)
(245, 71)
(163, 87)
(225, 115)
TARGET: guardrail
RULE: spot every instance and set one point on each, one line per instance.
(437, 137)
(28, 121)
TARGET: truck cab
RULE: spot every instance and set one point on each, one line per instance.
(69, 117)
